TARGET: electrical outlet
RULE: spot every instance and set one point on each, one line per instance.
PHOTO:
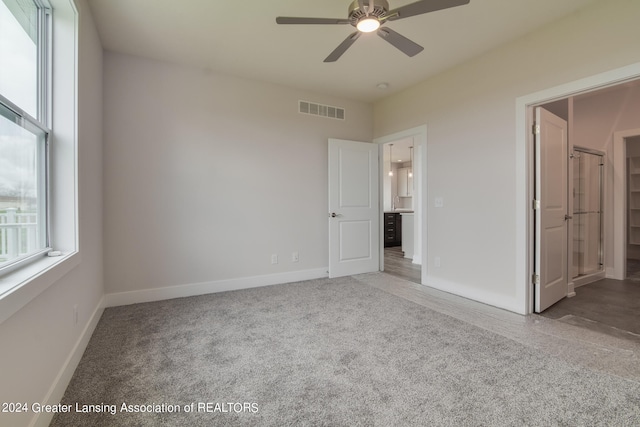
(274, 258)
(295, 257)
(436, 261)
(438, 202)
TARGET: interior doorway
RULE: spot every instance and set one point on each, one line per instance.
(625, 220)
(603, 210)
(402, 180)
(632, 145)
(524, 159)
(398, 211)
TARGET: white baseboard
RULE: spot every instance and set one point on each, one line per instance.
(55, 393)
(585, 280)
(189, 290)
(480, 295)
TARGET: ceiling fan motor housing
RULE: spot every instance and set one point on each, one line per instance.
(380, 7)
(368, 15)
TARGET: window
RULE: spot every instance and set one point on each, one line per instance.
(24, 134)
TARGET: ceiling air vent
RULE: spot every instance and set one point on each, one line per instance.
(306, 107)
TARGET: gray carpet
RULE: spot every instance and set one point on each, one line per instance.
(330, 352)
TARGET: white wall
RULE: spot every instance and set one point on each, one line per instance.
(470, 114)
(206, 176)
(597, 116)
(38, 342)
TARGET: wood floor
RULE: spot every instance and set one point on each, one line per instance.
(609, 306)
(633, 269)
(397, 265)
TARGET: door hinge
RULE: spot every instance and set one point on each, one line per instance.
(536, 129)
(535, 279)
(536, 205)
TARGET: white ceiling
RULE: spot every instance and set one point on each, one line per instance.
(400, 151)
(241, 38)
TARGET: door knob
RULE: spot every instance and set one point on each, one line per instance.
(333, 214)
(566, 217)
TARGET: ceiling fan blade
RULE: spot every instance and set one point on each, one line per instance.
(326, 21)
(342, 48)
(420, 7)
(401, 42)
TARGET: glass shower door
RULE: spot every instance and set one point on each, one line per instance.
(587, 212)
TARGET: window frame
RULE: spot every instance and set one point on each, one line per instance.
(18, 288)
(13, 113)
(44, 51)
(45, 55)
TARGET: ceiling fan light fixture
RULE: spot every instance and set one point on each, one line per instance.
(368, 25)
(368, 16)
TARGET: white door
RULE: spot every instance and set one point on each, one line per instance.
(551, 216)
(353, 208)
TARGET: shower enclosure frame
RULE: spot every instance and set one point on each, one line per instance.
(592, 276)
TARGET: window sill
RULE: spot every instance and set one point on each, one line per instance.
(20, 287)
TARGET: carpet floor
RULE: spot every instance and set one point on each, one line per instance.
(326, 352)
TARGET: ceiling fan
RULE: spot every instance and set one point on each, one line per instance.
(369, 16)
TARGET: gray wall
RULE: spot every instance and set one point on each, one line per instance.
(206, 175)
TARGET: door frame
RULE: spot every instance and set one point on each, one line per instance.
(419, 135)
(524, 168)
(619, 269)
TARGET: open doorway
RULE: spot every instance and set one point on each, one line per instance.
(626, 229)
(402, 166)
(398, 212)
(603, 210)
(632, 146)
